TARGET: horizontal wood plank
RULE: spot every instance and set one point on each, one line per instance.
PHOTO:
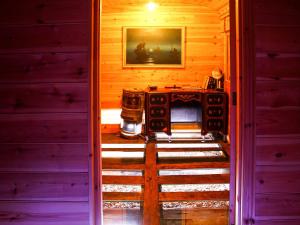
(123, 180)
(44, 128)
(277, 39)
(194, 179)
(277, 179)
(44, 157)
(276, 94)
(193, 196)
(43, 12)
(44, 38)
(285, 205)
(284, 12)
(122, 166)
(122, 196)
(277, 66)
(201, 215)
(277, 121)
(44, 186)
(33, 98)
(46, 213)
(277, 151)
(44, 68)
(193, 165)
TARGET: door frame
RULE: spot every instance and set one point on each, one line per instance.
(242, 113)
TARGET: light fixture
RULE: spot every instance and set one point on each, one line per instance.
(151, 6)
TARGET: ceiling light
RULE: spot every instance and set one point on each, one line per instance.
(151, 6)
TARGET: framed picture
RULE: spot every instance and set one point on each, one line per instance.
(153, 47)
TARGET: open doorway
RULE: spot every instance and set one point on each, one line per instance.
(207, 46)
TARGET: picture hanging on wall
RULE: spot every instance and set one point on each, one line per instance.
(153, 47)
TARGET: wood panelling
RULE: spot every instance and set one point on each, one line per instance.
(276, 66)
(43, 128)
(44, 112)
(44, 68)
(44, 38)
(277, 121)
(278, 151)
(44, 186)
(204, 45)
(48, 213)
(62, 97)
(277, 205)
(284, 39)
(284, 12)
(278, 94)
(43, 157)
(277, 179)
(43, 12)
(277, 194)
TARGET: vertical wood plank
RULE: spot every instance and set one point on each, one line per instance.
(151, 204)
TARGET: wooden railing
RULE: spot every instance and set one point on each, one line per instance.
(151, 181)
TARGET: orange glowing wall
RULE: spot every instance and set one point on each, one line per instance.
(204, 44)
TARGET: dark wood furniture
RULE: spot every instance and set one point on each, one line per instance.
(158, 104)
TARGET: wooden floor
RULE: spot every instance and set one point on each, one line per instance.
(150, 209)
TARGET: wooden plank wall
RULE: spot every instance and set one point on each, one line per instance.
(44, 112)
(204, 45)
(277, 31)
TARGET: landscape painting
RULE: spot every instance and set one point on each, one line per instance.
(153, 47)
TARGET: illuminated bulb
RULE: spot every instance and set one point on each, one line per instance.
(151, 6)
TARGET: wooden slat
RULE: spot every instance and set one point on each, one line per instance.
(44, 38)
(44, 68)
(43, 98)
(44, 157)
(277, 179)
(194, 179)
(183, 149)
(193, 165)
(277, 151)
(123, 162)
(48, 11)
(278, 205)
(122, 180)
(43, 128)
(197, 216)
(193, 196)
(44, 186)
(151, 206)
(283, 12)
(283, 39)
(275, 122)
(47, 213)
(122, 166)
(191, 160)
(278, 94)
(122, 196)
(277, 66)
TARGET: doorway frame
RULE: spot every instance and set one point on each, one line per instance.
(242, 113)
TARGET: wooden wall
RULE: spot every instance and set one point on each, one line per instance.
(277, 31)
(204, 45)
(44, 112)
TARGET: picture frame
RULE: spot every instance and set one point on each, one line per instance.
(150, 47)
